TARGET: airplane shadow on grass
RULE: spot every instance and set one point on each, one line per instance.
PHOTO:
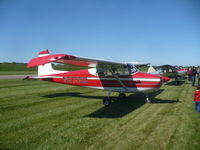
(119, 107)
(175, 83)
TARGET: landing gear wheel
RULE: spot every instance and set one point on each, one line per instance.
(106, 102)
(122, 95)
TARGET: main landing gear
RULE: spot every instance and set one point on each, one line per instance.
(107, 101)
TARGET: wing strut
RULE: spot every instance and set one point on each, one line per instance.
(120, 82)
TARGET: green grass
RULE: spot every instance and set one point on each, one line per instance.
(16, 69)
(21, 68)
(13, 67)
(37, 115)
(17, 72)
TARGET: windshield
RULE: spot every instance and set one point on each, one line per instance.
(131, 68)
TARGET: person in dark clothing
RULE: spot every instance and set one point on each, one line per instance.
(198, 76)
(197, 99)
(193, 77)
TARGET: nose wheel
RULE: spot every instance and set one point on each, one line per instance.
(107, 101)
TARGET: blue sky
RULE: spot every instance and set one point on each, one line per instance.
(155, 31)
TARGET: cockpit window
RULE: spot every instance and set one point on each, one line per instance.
(127, 69)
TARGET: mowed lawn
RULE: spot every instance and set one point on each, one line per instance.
(42, 115)
(16, 69)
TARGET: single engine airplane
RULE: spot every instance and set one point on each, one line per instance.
(101, 74)
(181, 71)
(175, 72)
(168, 70)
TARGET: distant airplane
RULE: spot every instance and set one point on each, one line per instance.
(181, 71)
(169, 71)
(102, 74)
(175, 70)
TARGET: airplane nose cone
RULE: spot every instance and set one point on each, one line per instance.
(165, 79)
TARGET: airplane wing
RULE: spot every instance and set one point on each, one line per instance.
(139, 64)
(166, 65)
(79, 61)
(73, 60)
(168, 68)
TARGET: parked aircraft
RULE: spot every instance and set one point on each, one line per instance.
(175, 72)
(167, 70)
(101, 74)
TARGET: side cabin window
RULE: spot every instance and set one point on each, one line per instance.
(104, 72)
(123, 70)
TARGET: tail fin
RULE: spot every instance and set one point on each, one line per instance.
(46, 69)
(151, 69)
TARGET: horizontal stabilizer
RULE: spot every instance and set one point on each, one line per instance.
(47, 77)
(42, 77)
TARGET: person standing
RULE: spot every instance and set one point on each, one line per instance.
(197, 99)
(194, 72)
(198, 76)
(189, 74)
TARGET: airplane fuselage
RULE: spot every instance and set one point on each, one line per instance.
(136, 82)
(181, 71)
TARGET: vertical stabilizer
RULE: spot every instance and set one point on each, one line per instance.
(151, 69)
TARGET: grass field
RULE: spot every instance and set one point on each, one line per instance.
(21, 68)
(37, 115)
(16, 69)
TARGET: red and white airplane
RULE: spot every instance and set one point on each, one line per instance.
(102, 74)
(181, 71)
